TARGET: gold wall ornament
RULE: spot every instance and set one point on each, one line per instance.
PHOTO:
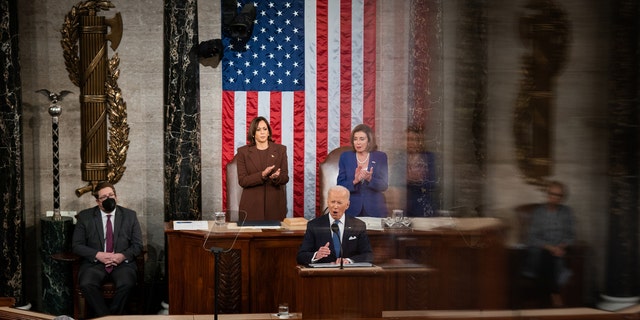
(103, 112)
(545, 32)
(119, 129)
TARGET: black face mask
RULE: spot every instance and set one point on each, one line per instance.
(109, 204)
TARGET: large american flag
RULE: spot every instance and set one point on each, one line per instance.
(310, 69)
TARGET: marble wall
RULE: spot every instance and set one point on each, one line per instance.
(579, 131)
(141, 82)
(12, 230)
(498, 186)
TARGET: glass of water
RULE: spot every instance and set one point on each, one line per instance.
(220, 219)
(283, 311)
(398, 215)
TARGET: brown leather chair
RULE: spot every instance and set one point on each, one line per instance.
(234, 190)
(528, 294)
(523, 216)
(329, 175)
(136, 300)
(329, 169)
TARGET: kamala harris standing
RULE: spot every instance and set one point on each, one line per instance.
(263, 174)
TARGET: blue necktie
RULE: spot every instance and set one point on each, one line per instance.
(336, 239)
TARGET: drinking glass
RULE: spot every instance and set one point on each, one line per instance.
(398, 215)
(283, 311)
(220, 219)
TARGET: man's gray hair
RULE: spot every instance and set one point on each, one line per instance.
(339, 188)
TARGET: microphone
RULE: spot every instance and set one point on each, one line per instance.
(216, 250)
(335, 229)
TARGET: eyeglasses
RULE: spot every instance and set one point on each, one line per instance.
(104, 197)
(556, 194)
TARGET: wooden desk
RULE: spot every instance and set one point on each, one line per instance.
(7, 301)
(524, 314)
(259, 271)
(239, 316)
(8, 313)
(340, 293)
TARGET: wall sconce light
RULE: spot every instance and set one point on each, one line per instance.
(240, 28)
(210, 52)
(242, 24)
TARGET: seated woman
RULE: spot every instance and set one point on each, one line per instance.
(364, 172)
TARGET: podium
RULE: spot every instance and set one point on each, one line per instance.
(260, 271)
(334, 293)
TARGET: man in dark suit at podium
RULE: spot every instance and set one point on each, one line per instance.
(321, 243)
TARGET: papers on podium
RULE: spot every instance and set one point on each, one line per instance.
(373, 223)
(190, 225)
(261, 224)
(337, 265)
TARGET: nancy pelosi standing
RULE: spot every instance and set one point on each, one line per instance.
(364, 172)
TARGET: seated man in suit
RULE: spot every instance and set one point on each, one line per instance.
(318, 245)
(108, 238)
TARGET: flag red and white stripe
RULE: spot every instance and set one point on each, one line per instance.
(333, 92)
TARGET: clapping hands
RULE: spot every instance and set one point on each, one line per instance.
(362, 174)
(270, 172)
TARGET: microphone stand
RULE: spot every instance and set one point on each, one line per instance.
(216, 254)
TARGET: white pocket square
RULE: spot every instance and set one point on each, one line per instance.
(352, 237)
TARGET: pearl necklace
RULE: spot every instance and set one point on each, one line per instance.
(363, 161)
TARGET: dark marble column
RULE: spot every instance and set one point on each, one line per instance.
(57, 277)
(12, 225)
(470, 107)
(622, 250)
(426, 106)
(182, 162)
(427, 95)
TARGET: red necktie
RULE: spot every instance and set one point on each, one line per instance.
(109, 240)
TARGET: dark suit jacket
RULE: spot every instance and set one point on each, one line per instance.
(422, 196)
(366, 194)
(262, 199)
(88, 236)
(355, 242)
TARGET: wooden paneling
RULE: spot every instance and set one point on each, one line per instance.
(350, 293)
(530, 314)
(191, 273)
(469, 262)
(416, 289)
(273, 276)
(7, 301)
(8, 313)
